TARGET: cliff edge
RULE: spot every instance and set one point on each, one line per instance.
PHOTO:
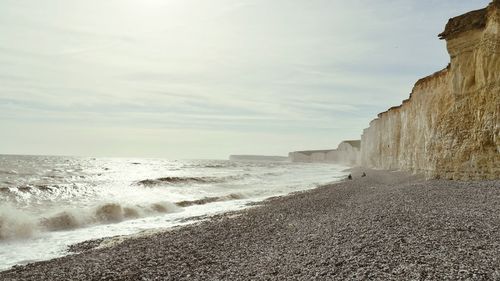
(450, 125)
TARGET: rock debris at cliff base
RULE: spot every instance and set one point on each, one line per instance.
(385, 226)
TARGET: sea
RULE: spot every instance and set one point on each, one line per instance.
(50, 202)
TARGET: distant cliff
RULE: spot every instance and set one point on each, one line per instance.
(311, 155)
(450, 125)
(257, 158)
(347, 153)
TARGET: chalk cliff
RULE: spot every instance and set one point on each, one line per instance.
(257, 158)
(450, 125)
(310, 156)
(347, 153)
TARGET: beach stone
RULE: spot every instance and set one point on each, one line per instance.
(377, 228)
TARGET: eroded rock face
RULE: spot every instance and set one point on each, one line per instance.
(347, 153)
(450, 125)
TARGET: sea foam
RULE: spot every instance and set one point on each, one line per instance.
(15, 223)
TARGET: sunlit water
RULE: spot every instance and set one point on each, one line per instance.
(49, 202)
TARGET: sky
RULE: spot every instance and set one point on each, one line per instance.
(199, 79)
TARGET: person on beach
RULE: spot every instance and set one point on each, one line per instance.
(363, 175)
(349, 177)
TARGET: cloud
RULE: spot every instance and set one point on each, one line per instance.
(314, 72)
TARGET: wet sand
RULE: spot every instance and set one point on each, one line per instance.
(385, 226)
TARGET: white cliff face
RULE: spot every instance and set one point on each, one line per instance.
(450, 125)
(310, 156)
(257, 158)
(347, 153)
(299, 156)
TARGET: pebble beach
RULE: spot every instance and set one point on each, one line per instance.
(385, 226)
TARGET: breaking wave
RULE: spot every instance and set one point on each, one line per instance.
(8, 172)
(178, 180)
(206, 200)
(15, 224)
(104, 214)
(34, 189)
(189, 180)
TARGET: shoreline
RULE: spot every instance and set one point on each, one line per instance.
(387, 225)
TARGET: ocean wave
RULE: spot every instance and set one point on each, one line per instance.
(178, 180)
(62, 221)
(206, 200)
(104, 214)
(8, 172)
(15, 224)
(216, 166)
(30, 188)
(25, 188)
(212, 164)
(38, 189)
(190, 180)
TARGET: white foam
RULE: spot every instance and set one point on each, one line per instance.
(15, 224)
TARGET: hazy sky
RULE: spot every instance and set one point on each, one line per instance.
(208, 78)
